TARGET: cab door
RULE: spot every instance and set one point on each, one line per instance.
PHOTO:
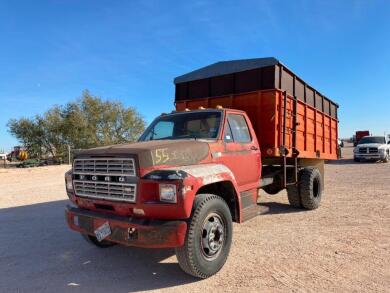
(241, 151)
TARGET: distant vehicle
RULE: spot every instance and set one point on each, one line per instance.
(18, 154)
(3, 156)
(359, 135)
(372, 148)
(340, 144)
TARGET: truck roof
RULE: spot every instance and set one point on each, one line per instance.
(219, 109)
(226, 67)
(246, 75)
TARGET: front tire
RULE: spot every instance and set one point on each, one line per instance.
(386, 159)
(208, 238)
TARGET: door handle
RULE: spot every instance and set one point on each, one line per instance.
(254, 148)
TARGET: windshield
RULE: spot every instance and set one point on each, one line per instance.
(372, 139)
(202, 124)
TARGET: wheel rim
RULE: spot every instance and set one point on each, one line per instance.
(212, 236)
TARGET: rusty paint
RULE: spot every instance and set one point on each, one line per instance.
(207, 170)
(156, 152)
(155, 234)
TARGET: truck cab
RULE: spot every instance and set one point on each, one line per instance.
(374, 148)
(143, 194)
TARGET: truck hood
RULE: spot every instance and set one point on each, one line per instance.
(155, 152)
(371, 145)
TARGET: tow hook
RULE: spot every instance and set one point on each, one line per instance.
(132, 233)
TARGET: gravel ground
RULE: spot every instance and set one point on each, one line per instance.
(344, 246)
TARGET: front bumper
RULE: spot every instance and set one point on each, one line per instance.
(376, 156)
(129, 231)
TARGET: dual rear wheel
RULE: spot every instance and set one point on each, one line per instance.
(307, 192)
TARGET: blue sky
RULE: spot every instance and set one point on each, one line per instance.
(50, 51)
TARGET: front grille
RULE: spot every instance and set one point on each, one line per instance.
(106, 190)
(363, 150)
(372, 150)
(105, 178)
(368, 150)
(105, 166)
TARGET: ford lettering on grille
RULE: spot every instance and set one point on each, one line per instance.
(105, 178)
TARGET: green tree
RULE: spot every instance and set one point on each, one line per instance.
(87, 122)
(29, 133)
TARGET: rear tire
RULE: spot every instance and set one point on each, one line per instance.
(272, 189)
(102, 244)
(310, 187)
(208, 238)
(293, 195)
(276, 185)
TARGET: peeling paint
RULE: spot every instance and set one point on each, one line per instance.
(212, 179)
(209, 173)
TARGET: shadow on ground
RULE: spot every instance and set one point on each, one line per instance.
(341, 162)
(38, 253)
(350, 162)
(272, 208)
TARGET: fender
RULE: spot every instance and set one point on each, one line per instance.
(201, 175)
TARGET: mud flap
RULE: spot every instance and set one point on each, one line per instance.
(249, 208)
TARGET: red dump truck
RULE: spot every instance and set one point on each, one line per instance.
(359, 135)
(239, 126)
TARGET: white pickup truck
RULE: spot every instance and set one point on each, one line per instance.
(372, 148)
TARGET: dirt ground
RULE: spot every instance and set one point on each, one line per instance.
(344, 246)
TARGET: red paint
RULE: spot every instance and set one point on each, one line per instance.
(360, 134)
(235, 156)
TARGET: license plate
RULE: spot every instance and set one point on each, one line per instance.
(103, 231)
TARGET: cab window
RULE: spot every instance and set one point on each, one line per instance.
(237, 129)
(227, 136)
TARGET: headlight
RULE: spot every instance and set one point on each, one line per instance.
(382, 151)
(68, 181)
(355, 150)
(168, 193)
